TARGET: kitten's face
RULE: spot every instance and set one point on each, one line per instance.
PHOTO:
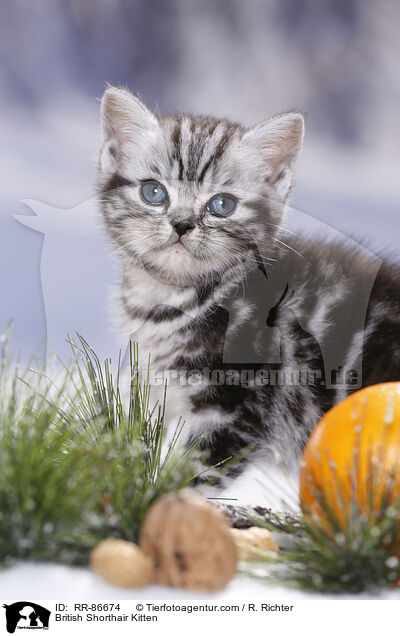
(190, 199)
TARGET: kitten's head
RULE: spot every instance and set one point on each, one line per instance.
(188, 198)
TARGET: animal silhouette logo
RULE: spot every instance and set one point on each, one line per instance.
(78, 269)
(26, 615)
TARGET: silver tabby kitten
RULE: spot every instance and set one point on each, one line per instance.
(245, 326)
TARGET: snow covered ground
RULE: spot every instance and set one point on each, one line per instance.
(60, 582)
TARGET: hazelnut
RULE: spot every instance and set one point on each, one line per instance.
(121, 563)
(253, 541)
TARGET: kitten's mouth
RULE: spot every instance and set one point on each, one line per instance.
(178, 245)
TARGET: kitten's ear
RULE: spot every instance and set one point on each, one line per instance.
(277, 143)
(125, 122)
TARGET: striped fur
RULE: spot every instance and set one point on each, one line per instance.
(230, 296)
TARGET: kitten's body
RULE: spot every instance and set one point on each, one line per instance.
(229, 296)
(282, 414)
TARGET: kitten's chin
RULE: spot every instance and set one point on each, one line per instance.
(175, 266)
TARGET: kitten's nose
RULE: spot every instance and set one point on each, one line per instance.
(182, 227)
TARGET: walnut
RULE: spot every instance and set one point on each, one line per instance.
(189, 541)
(252, 542)
(121, 563)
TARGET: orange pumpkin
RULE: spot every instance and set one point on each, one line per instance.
(350, 465)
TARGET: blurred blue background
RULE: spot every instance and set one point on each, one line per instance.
(338, 60)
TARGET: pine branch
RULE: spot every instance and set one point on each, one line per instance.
(77, 464)
(348, 545)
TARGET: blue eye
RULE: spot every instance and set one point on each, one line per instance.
(152, 192)
(221, 205)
